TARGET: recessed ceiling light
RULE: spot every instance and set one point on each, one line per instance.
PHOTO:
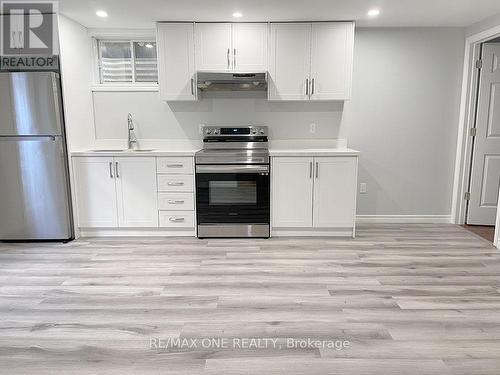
(373, 12)
(237, 15)
(101, 13)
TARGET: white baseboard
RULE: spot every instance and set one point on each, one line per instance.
(404, 219)
(119, 232)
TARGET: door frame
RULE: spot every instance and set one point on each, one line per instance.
(467, 119)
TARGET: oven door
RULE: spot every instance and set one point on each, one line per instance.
(232, 194)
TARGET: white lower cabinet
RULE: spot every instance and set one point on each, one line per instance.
(314, 195)
(116, 192)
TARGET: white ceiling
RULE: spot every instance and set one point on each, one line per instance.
(143, 13)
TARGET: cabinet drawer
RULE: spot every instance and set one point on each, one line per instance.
(176, 201)
(181, 165)
(167, 182)
(176, 219)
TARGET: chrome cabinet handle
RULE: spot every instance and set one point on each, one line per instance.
(171, 201)
(192, 86)
(234, 58)
(116, 170)
(317, 170)
(110, 170)
(174, 219)
(310, 169)
(312, 87)
(228, 61)
(175, 183)
(307, 86)
(175, 165)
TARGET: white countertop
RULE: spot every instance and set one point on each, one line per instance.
(319, 147)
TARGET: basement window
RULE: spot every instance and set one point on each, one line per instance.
(127, 62)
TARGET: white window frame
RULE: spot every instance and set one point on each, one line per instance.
(119, 35)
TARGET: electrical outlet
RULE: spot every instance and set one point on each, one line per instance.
(312, 128)
(362, 188)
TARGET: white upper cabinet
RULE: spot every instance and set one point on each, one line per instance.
(249, 47)
(213, 46)
(311, 61)
(290, 61)
(136, 191)
(176, 66)
(331, 60)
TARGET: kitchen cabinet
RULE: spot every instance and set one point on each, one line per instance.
(136, 191)
(176, 62)
(314, 195)
(239, 47)
(292, 192)
(116, 192)
(95, 192)
(311, 61)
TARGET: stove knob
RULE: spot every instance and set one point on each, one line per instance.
(254, 131)
(216, 131)
(209, 131)
(262, 131)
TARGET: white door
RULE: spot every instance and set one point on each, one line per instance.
(176, 70)
(250, 50)
(334, 192)
(213, 46)
(289, 61)
(136, 191)
(292, 187)
(332, 49)
(95, 192)
(485, 174)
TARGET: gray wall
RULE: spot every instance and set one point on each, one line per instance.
(485, 24)
(404, 118)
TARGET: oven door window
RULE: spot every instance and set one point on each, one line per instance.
(232, 192)
(232, 198)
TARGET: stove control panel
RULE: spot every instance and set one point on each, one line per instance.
(245, 131)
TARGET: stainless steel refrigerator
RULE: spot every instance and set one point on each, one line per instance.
(35, 199)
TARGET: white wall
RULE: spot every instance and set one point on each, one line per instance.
(403, 117)
(76, 77)
(483, 25)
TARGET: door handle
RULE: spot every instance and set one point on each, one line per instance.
(171, 201)
(192, 86)
(317, 170)
(228, 61)
(310, 169)
(307, 86)
(174, 219)
(312, 87)
(116, 170)
(111, 170)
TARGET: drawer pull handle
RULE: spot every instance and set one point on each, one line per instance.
(175, 184)
(171, 201)
(175, 165)
(174, 219)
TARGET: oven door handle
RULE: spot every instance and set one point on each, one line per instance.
(232, 169)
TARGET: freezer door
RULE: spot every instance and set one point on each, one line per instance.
(30, 104)
(34, 191)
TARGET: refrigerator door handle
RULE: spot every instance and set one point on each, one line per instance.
(57, 105)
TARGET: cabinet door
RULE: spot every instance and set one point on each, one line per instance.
(175, 44)
(213, 46)
(331, 60)
(292, 186)
(250, 47)
(136, 191)
(95, 192)
(289, 63)
(334, 192)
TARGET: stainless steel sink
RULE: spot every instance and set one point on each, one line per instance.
(140, 150)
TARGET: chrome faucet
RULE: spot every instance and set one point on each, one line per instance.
(132, 139)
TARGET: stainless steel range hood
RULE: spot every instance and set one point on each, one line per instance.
(230, 81)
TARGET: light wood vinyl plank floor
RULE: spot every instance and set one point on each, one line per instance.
(409, 299)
